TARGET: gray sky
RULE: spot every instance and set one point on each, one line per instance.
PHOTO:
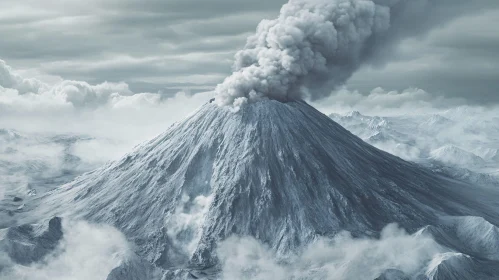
(168, 45)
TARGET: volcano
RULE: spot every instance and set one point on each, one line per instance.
(282, 173)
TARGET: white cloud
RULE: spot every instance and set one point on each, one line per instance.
(83, 95)
(105, 106)
(342, 257)
(188, 220)
(86, 252)
(10, 79)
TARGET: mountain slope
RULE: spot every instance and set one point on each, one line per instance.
(283, 173)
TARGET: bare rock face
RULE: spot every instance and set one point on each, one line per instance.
(27, 244)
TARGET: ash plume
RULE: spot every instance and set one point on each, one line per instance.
(315, 46)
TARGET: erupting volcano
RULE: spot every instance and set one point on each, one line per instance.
(282, 173)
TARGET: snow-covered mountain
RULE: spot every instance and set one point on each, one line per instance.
(458, 138)
(281, 173)
(451, 154)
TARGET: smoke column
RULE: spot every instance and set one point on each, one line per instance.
(316, 45)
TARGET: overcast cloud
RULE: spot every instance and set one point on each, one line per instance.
(458, 59)
(172, 45)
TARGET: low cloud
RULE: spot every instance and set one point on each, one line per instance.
(84, 95)
(86, 251)
(66, 103)
(342, 257)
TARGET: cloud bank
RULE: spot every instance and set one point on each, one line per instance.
(342, 257)
(67, 102)
(10, 79)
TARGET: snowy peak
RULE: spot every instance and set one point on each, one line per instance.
(477, 242)
(354, 114)
(451, 154)
(357, 117)
(435, 121)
